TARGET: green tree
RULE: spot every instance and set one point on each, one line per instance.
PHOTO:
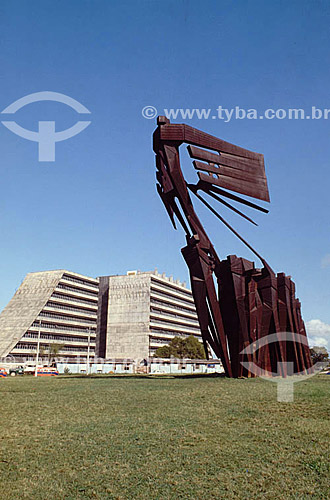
(194, 349)
(53, 351)
(182, 347)
(163, 352)
(319, 354)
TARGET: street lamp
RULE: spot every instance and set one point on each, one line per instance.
(38, 350)
(88, 349)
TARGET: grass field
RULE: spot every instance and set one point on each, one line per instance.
(162, 438)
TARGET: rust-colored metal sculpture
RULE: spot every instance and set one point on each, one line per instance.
(251, 303)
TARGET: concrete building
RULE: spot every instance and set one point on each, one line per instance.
(140, 312)
(51, 307)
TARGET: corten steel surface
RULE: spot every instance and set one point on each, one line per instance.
(249, 303)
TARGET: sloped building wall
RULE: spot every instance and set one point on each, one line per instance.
(25, 306)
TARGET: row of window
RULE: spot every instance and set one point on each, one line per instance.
(169, 297)
(66, 318)
(79, 349)
(77, 290)
(63, 327)
(154, 340)
(26, 357)
(172, 287)
(177, 333)
(169, 293)
(33, 347)
(84, 311)
(61, 338)
(172, 306)
(80, 281)
(67, 298)
(165, 322)
(173, 315)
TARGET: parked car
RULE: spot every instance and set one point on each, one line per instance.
(18, 370)
(29, 369)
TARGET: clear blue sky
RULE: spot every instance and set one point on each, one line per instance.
(95, 210)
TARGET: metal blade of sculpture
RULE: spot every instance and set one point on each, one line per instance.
(236, 303)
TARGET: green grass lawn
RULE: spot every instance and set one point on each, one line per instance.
(162, 438)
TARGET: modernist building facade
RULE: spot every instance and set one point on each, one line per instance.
(140, 312)
(112, 317)
(51, 307)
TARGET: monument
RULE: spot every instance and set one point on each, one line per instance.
(237, 304)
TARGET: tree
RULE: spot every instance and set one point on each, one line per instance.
(182, 347)
(54, 351)
(194, 349)
(319, 354)
(51, 351)
(163, 352)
